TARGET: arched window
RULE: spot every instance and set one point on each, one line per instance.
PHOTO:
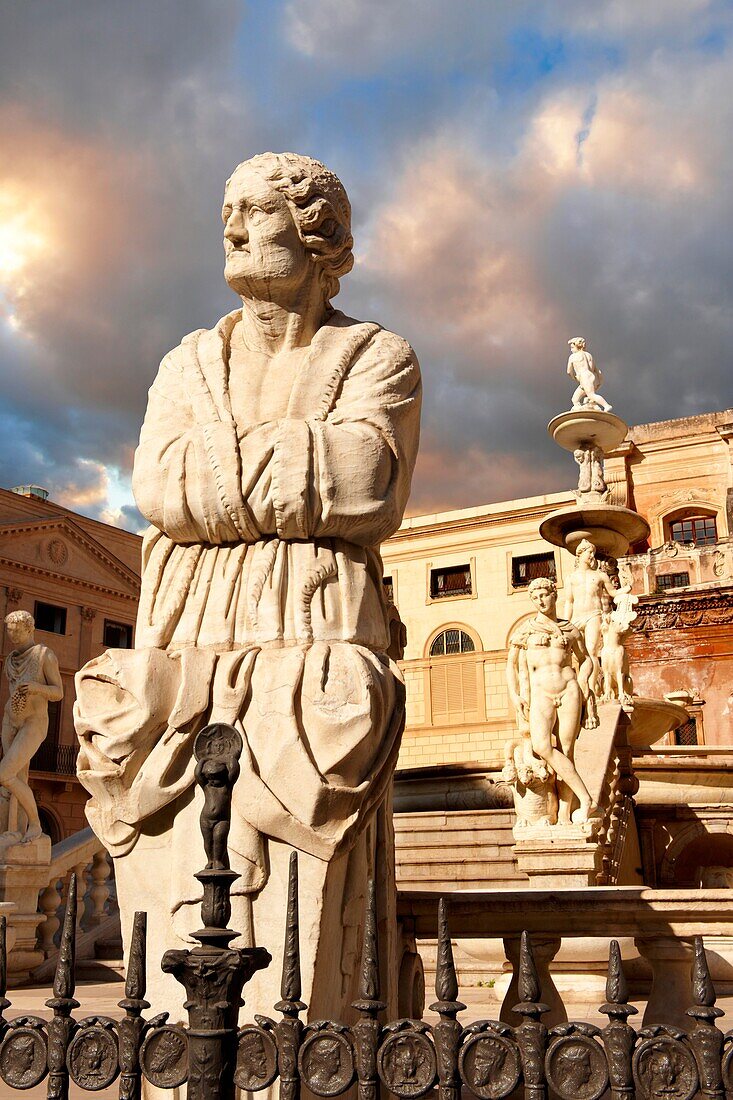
(699, 528)
(450, 641)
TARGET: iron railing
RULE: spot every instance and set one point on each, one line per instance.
(58, 759)
(576, 1061)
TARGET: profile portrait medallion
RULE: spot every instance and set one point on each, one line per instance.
(665, 1067)
(23, 1058)
(326, 1063)
(576, 1068)
(490, 1066)
(256, 1059)
(164, 1057)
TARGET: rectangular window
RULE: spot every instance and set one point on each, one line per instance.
(686, 734)
(701, 530)
(388, 588)
(454, 581)
(531, 566)
(665, 581)
(117, 635)
(50, 618)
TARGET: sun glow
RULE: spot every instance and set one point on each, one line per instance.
(22, 239)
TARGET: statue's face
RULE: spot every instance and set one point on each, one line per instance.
(19, 633)
(264, 253)
(588, 555)
(544, 599)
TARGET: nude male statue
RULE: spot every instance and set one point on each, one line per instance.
(34, 681)
(549, 696)
(590, 593)
(589, 378)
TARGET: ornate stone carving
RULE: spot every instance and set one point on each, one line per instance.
(533, 784)
(276, 456)
(615, 626)
(88, 614)
(57, 551)
(15, 595)
(583, 370)
(34, 681)
(663, 613)
(591, 476)
(549, 698)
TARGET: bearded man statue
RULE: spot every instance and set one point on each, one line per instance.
(276, 455)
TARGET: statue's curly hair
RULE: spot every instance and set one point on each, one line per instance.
(320, 207)
(542, 582)
(23, 618)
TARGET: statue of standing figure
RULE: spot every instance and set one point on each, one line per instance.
(34, 681)
(275, 458)
(550, 698)
(589, 595)
(583, 370)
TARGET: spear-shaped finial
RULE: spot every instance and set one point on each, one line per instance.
(369, 984)
(617, 991)
(703, 990)
(290, 987)
(63, 983)
(136, 981)
(528, 981)
(4, 1002)
(446, 982)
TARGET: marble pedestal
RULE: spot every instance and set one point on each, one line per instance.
(559, 855)
(24, 872)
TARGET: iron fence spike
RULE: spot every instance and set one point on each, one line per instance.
(446, 982)
(136, 981)
(369, 986)
(528, 983)
(703, 990)
(64, 979)
(290, 987)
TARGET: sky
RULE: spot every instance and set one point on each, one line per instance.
(520, 172)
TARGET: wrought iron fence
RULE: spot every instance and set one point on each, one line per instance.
(213, 1055)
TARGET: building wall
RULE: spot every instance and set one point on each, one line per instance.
(667, 471)
(91, 570)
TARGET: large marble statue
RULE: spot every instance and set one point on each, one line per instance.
(583, 370)
(549, 697)
(589, 595)
(276, 455)
(34, 681)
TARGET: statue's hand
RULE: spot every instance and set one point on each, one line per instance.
(524, 708)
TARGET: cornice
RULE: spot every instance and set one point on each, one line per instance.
(64, 578)
(695, 609)
(77, 534)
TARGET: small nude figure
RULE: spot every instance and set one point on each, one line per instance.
(590, 592)
(34, 681)
(583, 370)
(217, 776)
(549, 696)
(591, 477)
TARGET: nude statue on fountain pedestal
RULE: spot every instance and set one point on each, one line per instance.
(276, 456)
(589, 595)
(34, 681)
(549, 697)
(583, 370)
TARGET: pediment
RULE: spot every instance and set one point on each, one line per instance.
(59, 548)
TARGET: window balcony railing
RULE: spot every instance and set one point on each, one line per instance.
(56, 759)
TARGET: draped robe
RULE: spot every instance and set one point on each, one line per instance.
(262, 605)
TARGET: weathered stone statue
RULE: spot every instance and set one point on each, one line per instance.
(34, 681)
(533, 783)
(615, 625)
(583, 370)
(549, 697)
(591, 474)
(589, 594)
(276, 455)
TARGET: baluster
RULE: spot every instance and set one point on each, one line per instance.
(49, 902)
(531, 1035)
(618, 1036)
(366, 1030)
(706, 1039)
(289, 1030)
(61, 1027)
(447, 1033)
(132, 1027)
(99, 891)
(4, 1002)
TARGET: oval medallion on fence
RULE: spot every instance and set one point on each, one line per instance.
(728, 1069)
(256, 1059)
(406, 1061)
(576, 1068)
(665, 1067)
(490, 1066)
(23, 1057)
(326, 1060)
(92, 1058)
(164, 1057)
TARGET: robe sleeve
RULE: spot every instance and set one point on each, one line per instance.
(187, 477)
(346, 476)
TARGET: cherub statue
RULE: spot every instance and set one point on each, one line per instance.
(34, 681)
(589, 378)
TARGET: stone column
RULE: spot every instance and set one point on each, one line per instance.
(671, 992)
(544, 949)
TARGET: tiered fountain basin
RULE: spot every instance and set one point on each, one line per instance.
(611, 528)
(583, 426)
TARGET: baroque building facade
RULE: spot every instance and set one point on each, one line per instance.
(80, 579)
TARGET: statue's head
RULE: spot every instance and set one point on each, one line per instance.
(284, 213)
(543, 593)
(577, 343)
(20, 626)
(575, 1065)
(585, 551)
